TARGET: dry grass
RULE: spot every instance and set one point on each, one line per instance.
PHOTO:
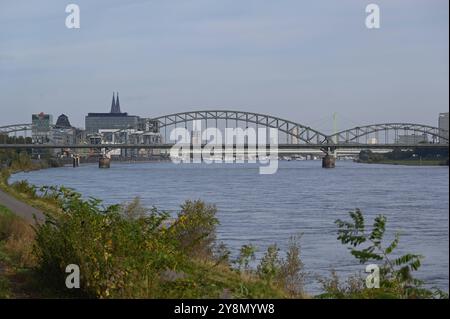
(17, 238)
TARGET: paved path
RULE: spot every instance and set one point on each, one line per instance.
(19, 208)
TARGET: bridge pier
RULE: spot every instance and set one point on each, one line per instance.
(76, 161)
(104, 162)
(329, 161)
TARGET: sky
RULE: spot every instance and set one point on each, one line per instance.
(299, 60)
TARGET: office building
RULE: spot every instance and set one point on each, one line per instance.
(115, 119)
(41, 125)
(443, 127)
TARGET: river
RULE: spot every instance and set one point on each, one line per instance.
(301, 198)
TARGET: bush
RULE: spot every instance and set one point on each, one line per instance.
(194, 231)
(270, 264)
(4, 175)
(396, 273)
(336, 289)
(24, 187)
(246, 255)
(128, 251)
(117, 256)
(291, 274)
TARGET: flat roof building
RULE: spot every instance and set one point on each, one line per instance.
(115, 119)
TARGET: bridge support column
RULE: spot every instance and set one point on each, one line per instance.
(76, 161)
(104, 162)
(329, 161)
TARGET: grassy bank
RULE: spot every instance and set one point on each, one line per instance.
(16, 257)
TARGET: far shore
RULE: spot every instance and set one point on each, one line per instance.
(407, 162)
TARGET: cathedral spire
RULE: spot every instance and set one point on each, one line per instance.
(113, 104)
(117, 103)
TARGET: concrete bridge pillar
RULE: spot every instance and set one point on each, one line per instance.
(329, 161)
(76, 160)
(104, 162)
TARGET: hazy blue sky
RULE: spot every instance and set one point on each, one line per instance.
(301, 60)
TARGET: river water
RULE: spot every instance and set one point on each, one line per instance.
(301, 198)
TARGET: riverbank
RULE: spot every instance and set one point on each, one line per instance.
(417, 156)
(413, 162)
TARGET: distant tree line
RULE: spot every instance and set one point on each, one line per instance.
(398, 154)
(6, 139)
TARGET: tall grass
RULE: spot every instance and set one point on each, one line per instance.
(16, 239)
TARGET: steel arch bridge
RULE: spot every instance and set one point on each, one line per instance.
(383, 133)
(297, 131)
(8, 129)
(390, 133)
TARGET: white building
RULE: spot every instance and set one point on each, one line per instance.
(443, 126)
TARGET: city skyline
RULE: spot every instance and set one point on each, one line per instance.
(300, 61)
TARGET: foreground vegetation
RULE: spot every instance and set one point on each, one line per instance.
(128, 251)
(124, 251)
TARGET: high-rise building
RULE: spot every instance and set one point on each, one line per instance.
(41, 125)
(443, 127)
(115, 119)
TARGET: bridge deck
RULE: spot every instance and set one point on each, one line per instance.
(279, 146)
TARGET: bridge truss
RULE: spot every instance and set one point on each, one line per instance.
(292, 132)
(15, 128)
(391, 133)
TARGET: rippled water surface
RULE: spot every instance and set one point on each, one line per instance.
(301, 198)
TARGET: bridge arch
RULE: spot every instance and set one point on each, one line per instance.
(297, 131)
(15, 128)
(392, 133)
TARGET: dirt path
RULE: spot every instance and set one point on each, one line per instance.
(19, 208)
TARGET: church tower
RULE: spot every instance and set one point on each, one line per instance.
(115, 105)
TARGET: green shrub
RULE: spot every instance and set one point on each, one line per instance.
(291, 275)
(117, 256)
(270, 264)
(246, 255)
(128, 251)
(194, 231)
(396, 273)
(4, 175)
(24, 187)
